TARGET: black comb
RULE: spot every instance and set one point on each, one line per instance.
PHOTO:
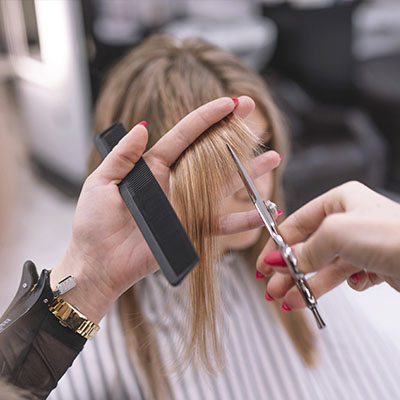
(152, 212)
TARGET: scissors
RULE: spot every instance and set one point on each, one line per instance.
(268, 211)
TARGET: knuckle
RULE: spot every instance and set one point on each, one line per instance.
(179, 136)
(294, 299)
(353, 185)
(202, 116)
(343, 269)
(220, 105)
(122, 158)
(298, 226)
(374, 278)
(329, 226)
(308, 260)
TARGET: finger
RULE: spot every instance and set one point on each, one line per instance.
(322, 247)
(278, 285)
(275, 261)
(245, 107)
(314, 215)
(120, 161)
(363, 280)
(358, 280)
(322, 282)
(186, 131)
(374, 278)
(299, 225)
(259, 166)
(239, 222)
(229, 224)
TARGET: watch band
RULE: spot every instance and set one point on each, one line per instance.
(72, 318)
(35, 349)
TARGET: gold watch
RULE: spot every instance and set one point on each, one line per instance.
(72, 318)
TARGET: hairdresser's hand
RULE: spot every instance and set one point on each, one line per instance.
(349, 233)
(107, 253)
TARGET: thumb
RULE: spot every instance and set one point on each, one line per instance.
(322, 247)
(123, 157)
(317, 251)
(307, 258)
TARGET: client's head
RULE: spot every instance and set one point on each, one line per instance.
(165, 78)
(161, 81)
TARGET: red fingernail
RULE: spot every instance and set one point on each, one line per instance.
(280, 156)
(286, 307)
(268, 297)
(354, 278)
(259, 275)
(275, 258)
(144, 123)
(235, 101)
(279, 212)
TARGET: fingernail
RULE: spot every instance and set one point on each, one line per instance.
(280, 156)
(275, 258)
(279, 212)
(235, 101)
(268, 297)
(286, 307)
(259, 275)
(354, 278)
(144, 123)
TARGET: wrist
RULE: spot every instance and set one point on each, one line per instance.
(91, 295)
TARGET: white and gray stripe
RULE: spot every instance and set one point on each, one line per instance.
(355, 362)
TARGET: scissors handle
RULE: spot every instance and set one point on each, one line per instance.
(310, 301)
(291, 262)
(320, 322)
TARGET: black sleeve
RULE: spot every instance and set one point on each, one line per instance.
(35, 349)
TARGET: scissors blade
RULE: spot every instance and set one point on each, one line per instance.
(285, 249)
(248, 183)
(255, 196)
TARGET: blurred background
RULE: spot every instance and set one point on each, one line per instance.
(333, 67)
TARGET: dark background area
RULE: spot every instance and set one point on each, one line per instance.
(342, 110)
(333, 68)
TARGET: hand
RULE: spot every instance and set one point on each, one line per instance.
(355, 236)
(107, 253)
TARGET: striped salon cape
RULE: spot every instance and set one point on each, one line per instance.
(355, 362)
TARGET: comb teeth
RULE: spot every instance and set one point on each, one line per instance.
(158, 222)
(140, 178)
(152, 212)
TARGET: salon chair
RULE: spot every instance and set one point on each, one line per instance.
(330, 145)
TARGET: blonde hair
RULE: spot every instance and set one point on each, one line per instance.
(161, 81)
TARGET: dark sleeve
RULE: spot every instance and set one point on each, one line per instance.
(35, 349)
